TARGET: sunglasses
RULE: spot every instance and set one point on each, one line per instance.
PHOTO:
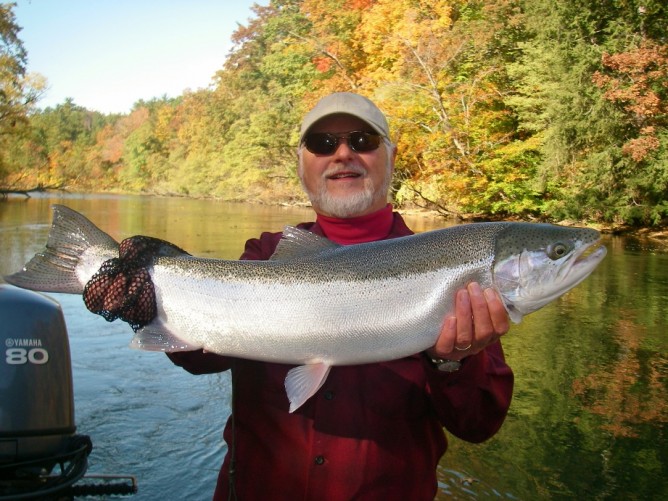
(326, 143)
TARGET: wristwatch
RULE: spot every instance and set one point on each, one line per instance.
(445, 365)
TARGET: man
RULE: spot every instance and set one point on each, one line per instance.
(372, 431)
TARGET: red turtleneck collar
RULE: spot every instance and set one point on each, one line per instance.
(357, 230)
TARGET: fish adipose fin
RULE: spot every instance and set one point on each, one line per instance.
(297, 243)
(156, 338)
(302, 382)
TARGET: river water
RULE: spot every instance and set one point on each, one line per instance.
(589, 414)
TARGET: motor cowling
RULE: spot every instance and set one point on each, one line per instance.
(36, 395)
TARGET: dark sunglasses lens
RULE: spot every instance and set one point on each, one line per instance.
(363, 141)
(321, 143)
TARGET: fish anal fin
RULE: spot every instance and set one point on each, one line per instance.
(157, 338)
(296, 242)
(303, 381)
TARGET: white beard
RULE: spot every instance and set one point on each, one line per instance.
(344, 206)
(348, 205)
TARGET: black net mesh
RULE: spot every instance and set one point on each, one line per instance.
(122, 287)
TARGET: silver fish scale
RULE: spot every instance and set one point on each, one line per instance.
(331, 306)
(336, 322)
(453, 247)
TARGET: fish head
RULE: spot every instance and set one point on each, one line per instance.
(536, 263)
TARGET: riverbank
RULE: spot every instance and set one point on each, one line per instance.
(658, 234)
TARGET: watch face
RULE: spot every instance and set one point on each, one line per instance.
(449, 365)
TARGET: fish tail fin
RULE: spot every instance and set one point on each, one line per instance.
(54, 269)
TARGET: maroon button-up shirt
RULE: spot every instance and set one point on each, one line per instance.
(372, 431)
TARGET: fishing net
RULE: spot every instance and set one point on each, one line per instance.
(122, 287)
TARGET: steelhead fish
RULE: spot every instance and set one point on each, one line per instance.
(315, 303)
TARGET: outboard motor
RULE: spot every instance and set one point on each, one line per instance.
(36, 400)
(37, 427)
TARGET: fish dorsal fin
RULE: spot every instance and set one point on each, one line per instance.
(296, 242)
(303, 381)
(154, 337)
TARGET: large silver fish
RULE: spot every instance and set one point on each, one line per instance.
(315, 303)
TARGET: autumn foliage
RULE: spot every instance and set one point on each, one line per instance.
(504, 108)
(637, 81)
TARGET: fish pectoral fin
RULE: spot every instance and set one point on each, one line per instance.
(515, 315)
(157, 338)
(296, 243)
(303, 381)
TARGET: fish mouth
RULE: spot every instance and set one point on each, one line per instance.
(590, 254)
(582, 264)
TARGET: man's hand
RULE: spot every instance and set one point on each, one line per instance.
(480, 319)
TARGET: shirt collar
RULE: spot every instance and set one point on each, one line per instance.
(357, 230)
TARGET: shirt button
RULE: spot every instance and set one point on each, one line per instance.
(320, 460)
(329, 395)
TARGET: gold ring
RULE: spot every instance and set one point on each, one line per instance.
(463, 349)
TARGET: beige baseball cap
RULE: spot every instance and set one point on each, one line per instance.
(346, 103)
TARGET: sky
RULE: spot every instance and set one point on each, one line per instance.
(108, 54)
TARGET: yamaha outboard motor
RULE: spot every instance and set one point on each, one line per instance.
(40, 456)
(36, 402)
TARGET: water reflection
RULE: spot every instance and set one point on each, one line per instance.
(588, 419)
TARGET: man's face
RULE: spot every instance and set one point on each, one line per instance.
(346, 183)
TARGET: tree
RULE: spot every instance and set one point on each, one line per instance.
(18, 91)
(563, 97)
(437, 68)
(636, 82)
(529, 108)
(65, 138)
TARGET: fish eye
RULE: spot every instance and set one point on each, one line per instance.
(557, 251)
